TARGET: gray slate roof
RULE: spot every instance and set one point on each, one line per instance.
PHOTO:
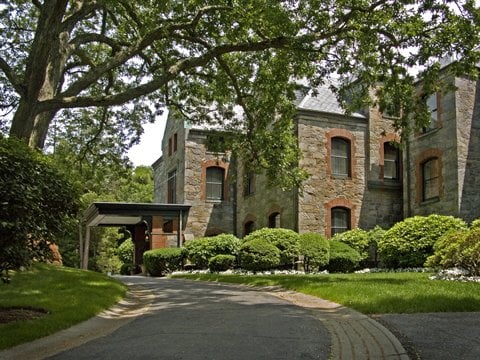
(324, 101)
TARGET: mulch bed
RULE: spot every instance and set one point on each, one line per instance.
(10, 314)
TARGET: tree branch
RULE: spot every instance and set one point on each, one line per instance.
(12, 77)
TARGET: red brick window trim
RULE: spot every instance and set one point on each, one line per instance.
(429, 163)
(350, 139)
(334, 204)
(249, 224)
(390, 142)
(217, 164)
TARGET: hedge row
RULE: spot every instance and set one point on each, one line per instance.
(444, 240)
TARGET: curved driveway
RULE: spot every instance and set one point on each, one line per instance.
(198, 320)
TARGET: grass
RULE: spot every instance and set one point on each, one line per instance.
(69, 295)
(374, 293)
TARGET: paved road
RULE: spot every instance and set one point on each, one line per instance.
(196, 320)
(437, 336)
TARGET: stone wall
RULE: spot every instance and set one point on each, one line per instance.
(320, 189)
(206, 217)
(442, 143)
(262, 203)
(467, 99)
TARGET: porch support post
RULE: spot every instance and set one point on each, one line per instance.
(180, 228)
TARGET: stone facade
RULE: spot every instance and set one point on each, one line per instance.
(369, 193)
(455, 143)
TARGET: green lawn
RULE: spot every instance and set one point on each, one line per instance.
(373, 293)
(69, 295)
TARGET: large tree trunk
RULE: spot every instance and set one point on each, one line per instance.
(43, 74)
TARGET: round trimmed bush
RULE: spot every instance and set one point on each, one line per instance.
(221, 263)
(356, 239)
(315, 250)
(285, 240)
(408, 243)
(200, 251)
(457, 249)
(160, 261)
(343, 258)
(259, 255)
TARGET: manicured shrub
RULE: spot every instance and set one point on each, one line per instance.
(221, 263)
(408, 243)
(259, 255)
(158, 262)
(315, 250)
(343, 258)
(457, 249)
(357, 239)
(200, 251)
(374, 237)
(125, 251)
(284, 239)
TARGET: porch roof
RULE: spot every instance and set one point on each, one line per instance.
(121, 214)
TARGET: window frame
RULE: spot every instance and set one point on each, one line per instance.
(387, 145)
(435, 122)
(432, 182)
(345, 157)
(347, 214)
(214, 182)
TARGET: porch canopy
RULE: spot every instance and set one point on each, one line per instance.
(134, 216)
(123, 214)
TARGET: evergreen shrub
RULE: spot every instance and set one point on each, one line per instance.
(221, 263)
(457, 249)
(259, 255)
(357, 239)
(158, 262)
(343, 258)
(315, 250)
(408, 243)
(200, 251)
(285, 240)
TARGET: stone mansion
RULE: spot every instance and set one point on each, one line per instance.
(358, 177)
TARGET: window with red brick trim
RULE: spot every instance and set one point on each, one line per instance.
(340, 154)
(429, 178)
(340, 220)
(339, 216)
(215, 183)
(340, 157)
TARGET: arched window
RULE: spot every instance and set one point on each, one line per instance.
(340, 220)
(430, 179)
(274, 220)
(248, 227)
(215, 183)
(391, 165)
(340, 157)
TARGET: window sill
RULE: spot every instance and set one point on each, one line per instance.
(387, 184)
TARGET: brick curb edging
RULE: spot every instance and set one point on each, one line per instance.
(354, 335)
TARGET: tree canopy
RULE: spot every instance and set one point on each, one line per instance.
(76, 60)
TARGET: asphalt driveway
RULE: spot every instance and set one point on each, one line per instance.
(196, 320)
